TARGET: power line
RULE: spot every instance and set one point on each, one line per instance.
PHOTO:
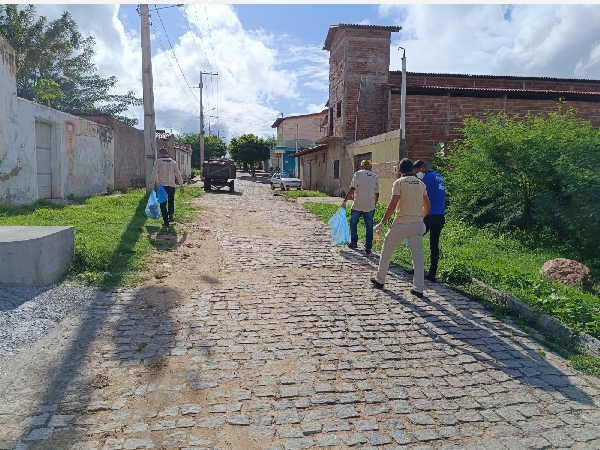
(210, 35)
(173, 68)
(201, 38)
(194, 40)
(169, 40)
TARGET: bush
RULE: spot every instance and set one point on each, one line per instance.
(530, 173)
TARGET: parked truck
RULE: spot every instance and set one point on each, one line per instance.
(218, 173)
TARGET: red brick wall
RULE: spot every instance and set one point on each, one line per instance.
(359, 55)
(495, 83)
(426, 117)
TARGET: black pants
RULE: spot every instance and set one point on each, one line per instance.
(435, 223)
(171, 199)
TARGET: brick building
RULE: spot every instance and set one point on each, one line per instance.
(364, 106)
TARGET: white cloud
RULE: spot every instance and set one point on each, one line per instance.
(256, 68)
(527, 40)
(313, 108)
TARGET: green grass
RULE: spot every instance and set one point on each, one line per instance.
(509, 262)
(296, 194)
(113, 236)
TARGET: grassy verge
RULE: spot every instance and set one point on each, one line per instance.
(509, 262)
(301, 193)
(113, 236)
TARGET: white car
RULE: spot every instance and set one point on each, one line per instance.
(285, 181)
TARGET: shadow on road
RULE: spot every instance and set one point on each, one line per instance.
(479, 336)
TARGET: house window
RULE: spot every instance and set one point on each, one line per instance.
(331, 121)
(339, 109)
(336, 169)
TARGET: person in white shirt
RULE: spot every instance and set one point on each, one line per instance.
(164, 173)
(410, 201)
(365, 187)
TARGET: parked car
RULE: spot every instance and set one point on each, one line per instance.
(285, 181)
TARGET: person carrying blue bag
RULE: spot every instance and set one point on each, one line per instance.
(164, 173)
(365, 188)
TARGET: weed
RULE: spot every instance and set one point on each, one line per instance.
(302, 193)
(156, 363)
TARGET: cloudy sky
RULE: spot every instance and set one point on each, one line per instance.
(270, 59)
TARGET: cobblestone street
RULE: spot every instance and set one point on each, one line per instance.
(291, 348)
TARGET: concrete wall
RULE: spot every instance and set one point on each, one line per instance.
(82, 152)
(308, 128)
(384, 150)
(322, 164)
(130, 170)
(183, 155)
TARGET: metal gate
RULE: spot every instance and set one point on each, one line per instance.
(43, 156)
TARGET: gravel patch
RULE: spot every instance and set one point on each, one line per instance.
(27, 314)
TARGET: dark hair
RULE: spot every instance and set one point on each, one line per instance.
(163, 150)
(420, 163)
(406, 165)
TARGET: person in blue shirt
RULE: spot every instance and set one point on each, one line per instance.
(435, 219)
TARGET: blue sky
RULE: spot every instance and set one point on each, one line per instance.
(270, 58)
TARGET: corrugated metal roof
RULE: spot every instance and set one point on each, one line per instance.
(334, 28)
(454, 88)
(307, 150)
(492, 77)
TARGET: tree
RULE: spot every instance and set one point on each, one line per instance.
(54, 63)
(530, 172)
(214, 147)
(249, 149)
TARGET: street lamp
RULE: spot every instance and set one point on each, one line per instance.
(165, 7)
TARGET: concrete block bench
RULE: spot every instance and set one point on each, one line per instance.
(35, 256)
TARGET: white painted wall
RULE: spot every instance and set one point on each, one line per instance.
(82, 152)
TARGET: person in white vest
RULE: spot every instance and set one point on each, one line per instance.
(365, 187)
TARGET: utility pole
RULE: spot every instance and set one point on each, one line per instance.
(296, 165)
(402, 149)
(149, 122)
(202, 119)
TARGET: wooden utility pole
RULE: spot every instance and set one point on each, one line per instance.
(202, 118)
(149, 120)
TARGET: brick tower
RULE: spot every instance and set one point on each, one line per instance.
(359, 62)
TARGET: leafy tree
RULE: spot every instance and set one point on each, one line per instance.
(530, 172)
(47, 90)
(249, 149)
(53, 58)
(214, 147)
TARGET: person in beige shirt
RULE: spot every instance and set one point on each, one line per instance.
(410, 201)
(164, 173)
(365, 188)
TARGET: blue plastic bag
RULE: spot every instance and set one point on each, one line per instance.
(339, 227)
(152, 208)
(161, 194)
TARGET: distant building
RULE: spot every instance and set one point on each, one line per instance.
(294, 133)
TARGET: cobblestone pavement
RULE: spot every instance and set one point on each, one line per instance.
(293, 349)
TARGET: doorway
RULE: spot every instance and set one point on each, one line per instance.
(43, 156)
